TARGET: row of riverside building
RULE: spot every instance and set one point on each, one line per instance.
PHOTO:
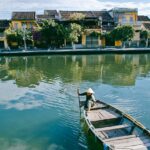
(99, 21)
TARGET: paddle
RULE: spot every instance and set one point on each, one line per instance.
(81, 103)
(79, 99)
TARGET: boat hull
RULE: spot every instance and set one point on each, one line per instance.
(110, 125)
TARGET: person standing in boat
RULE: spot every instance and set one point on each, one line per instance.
(90, 99)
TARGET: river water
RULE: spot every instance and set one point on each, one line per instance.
(39, 105)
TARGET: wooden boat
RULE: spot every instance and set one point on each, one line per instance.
(115, 129)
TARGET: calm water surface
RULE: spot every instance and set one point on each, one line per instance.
(39, 105)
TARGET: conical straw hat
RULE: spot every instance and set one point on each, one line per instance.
(90, 91)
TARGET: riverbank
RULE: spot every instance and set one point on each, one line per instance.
(75, 52)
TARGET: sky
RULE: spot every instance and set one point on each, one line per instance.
(7, 6)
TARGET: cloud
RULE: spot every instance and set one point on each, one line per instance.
(55, 147)
(22, 105)
(12, 91)
(28, 98)
(8, 6)
(17, 144)
(16, 98)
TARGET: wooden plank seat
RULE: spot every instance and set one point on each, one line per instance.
(120, 138)
(129, 142)
(98, 106)
(113, 128)
(138, 146)
(101, 115)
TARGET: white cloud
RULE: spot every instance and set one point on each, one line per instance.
(38, 5)
(9, 91)
(16, 98)
(17, 144)
(23, 105)
(27, 98)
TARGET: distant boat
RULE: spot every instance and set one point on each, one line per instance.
(115, 129)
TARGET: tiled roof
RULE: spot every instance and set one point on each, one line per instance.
(119, 10)
(43, 16)
(4, 24)
(23, 16)
(143, 18)
(104, 14)
(51, 13)
(66, 14)
(88, 14)
(147, 26)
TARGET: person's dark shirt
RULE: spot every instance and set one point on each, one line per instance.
(88, 97)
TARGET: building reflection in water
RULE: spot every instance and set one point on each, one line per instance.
(120, 70)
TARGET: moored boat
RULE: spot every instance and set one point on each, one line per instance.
(115, 129)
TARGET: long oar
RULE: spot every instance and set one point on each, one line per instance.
(79, 100)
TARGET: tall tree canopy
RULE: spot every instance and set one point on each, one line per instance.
(123, 33)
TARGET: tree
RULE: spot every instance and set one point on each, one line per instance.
(18, 36)
(26, 35)
(53, 33)
(77, 16)
(12, 36)
(49, 32)
(63, 34)
(144, 35)
(108, 38)
(38, 39)
(74, 33)
(123, 33)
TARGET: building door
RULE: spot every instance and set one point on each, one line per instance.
(92, 41)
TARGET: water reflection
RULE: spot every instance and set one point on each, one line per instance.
(120, 70)
(38, 101)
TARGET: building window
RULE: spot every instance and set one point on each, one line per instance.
(124, 20)
(131, 20)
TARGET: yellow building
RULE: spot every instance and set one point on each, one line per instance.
(23, 20)
(92, 26)
(124, 16)
(127, 16)
(91, 38)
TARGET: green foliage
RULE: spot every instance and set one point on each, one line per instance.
(12, 35)
(92, 33)
(103, 35)
(63, 33)
(18, 36)
(77, 16)
(2, 30)
(109, 40)
(95, 33)
(49, 31)
(144, 35)
(74, 32)
(53, 33)
(123, 33)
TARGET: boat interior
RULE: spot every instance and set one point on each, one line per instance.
(117, 130)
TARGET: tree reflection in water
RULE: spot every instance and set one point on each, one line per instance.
(120, 70)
